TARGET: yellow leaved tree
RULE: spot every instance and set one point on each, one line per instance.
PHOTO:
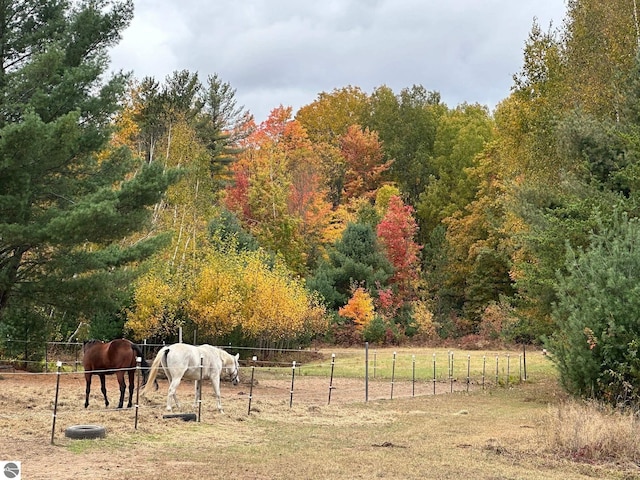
(276, 305)
(228, 291)
(157, 302)
(215, 301)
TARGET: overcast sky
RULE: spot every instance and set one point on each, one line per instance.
(286, 52)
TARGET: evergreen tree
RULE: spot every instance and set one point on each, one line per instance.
(226, 229)
(357, 260)
(222, 125)
(67, 199)
(597, 343)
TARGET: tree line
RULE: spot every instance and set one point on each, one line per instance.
(139, 206)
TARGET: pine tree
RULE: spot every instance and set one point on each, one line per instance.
(67, 199)
(357, 259)
(596, 343)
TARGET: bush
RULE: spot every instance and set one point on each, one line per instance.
(425, 328)
(495, 319)
(342, 331)
(596, 346)
(375, 331)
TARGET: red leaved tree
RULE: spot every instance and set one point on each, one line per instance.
(278, 190)
(397, 231)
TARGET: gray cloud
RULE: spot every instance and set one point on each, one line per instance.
(287, 51)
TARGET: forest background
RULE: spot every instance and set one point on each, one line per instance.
(139, 207)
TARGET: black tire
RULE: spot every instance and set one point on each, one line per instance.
(82, 432)
(187, 417)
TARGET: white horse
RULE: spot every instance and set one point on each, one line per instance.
(182, 360)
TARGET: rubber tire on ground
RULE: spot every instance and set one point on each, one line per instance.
(82, 432)
(187, 417)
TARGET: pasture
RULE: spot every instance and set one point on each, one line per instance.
(492, 433)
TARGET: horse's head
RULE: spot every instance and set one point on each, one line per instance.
(144, 368)
(234, 371)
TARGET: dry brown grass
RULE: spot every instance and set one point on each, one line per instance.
(592, 432)
(496, 434)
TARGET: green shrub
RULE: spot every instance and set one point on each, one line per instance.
(375, 331)
(596, 346)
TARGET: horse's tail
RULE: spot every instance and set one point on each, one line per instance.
(153, 371)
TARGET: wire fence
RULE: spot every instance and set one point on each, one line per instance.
(370, 376)
(310, 379)
(42, 357)
(462, 369)
(474, 368)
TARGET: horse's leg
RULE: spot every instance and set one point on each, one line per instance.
(173, 386)
(131, 382)
(87, 377)
(123, 387)
(215, 381)
(103, 388)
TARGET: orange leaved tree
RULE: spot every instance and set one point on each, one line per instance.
(359, 309)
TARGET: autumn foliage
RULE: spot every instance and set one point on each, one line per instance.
(230, 290)
(364, 158)
(397, 231)
(400, 216)
(359, 309)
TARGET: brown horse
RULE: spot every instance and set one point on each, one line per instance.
(117, 356)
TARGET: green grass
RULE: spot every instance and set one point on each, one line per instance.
(507, 366)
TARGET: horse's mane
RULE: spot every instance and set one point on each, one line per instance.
(228, 360)
(224, 355)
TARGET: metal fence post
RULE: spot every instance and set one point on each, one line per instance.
(413, 375)
(253, 368)
(366, 371)
(484, 369)
(393, 373)
(434, 373)
(138, 372)
(55, 403)
(200, 386)
(293, 376)
(333, 363)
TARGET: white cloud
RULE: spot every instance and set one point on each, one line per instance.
(288, 51)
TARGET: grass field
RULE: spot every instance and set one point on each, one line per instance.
(501, 432)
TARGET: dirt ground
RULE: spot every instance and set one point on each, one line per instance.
(271, 430)
(27, 418)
